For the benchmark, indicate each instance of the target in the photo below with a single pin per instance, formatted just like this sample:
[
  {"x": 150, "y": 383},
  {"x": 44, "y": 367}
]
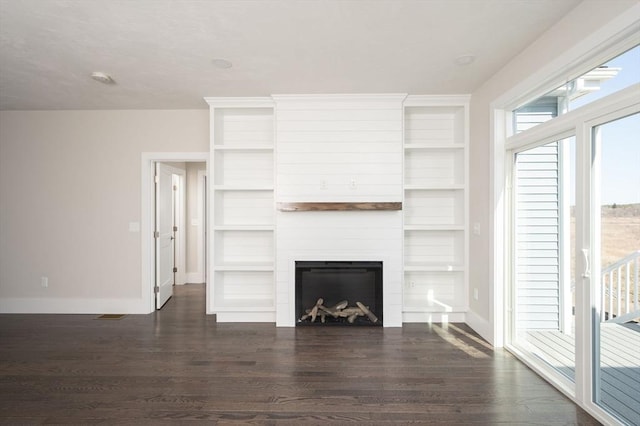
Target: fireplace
[{"x": 358, "y": 283}]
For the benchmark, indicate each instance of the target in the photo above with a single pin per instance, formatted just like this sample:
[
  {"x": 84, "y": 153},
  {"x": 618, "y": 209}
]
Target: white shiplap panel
[
  {"x": 433, "y": 291},
  {"x": 434, "y": 247},
  {"x": 350, "y": 157},
  {"x": 244, "y": 208},
  {"x": 338, "y": 125},
  {"x": 244, "y": 247},
  {"x": 339, "y": 137},
  {"x": 434, "y": 207},
  {"x": 342, "y": 153},
  {"x": 243, "y": 289},
  {"x": 238, "y": 127},
  {"x": 434, "y": 167},
  {"x": 339, "y": 114},
  {"x": 238, "y": 168},
  {"x": 388, "y": 147}
]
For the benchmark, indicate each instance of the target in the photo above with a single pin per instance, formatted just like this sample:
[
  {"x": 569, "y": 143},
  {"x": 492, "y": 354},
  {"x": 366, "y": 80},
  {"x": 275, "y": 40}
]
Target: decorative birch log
[
  {"x": 367, "y": 312},
  {"x": 339, "y": 310}
]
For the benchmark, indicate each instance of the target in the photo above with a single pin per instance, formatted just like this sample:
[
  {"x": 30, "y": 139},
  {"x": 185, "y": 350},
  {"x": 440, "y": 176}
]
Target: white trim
[
  {"x": 59, "y": 305},
  {"x": 194, "y": 278},
  {"x": 497, "y": 271},
  {"x": 618, "y": 35},
  {"x": 148, "y": 159},
  {"x": 564, "y": 125},
  {"x": 181, "y": 220},
  {"x": 246, "y": 317},
  {"x": 240, "y": 102},
  {"x": 433, "y": 317},
  {"x": 480, "y": 326},
  {"x": 363, "y": 97},
  {"x": 201, "y": 224},
  {"x": 437, "y": 100}
]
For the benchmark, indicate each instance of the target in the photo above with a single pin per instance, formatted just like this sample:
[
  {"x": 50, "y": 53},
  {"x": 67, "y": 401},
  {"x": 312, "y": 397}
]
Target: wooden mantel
[{"x": 338, "y": 206}]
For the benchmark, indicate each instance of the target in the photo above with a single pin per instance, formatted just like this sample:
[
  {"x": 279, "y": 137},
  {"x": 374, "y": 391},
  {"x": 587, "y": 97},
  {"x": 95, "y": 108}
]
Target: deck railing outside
[{"x": 620, "y": 297}]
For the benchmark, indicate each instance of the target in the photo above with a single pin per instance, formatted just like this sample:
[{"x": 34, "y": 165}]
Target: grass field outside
[{"x": 620, "y": 236}]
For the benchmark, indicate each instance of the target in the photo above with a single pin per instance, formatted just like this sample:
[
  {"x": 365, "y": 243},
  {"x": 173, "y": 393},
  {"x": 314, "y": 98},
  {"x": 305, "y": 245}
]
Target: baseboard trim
[
  {"x": 73, "y": 306},
  {"x": 195, "y": 278},
  {"x": 480, "y": 326},
  {"x": 429, "y": 317},
  {"x": 246, "y": 317}
]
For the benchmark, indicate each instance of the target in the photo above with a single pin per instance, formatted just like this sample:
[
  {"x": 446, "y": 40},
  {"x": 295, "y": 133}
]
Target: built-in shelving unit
[
  {"x": 243, "y": 216},
  {"x": 435, "y": 205}
]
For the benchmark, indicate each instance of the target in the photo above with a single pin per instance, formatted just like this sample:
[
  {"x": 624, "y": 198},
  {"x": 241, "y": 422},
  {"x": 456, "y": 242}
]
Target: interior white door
[{"x": 164, "y": 234}]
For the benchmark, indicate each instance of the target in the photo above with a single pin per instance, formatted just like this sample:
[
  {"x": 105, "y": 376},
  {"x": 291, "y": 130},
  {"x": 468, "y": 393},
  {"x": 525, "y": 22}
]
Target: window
[
  {"x": 610, "y": 77},
  {"x": 572, "y": 304}
]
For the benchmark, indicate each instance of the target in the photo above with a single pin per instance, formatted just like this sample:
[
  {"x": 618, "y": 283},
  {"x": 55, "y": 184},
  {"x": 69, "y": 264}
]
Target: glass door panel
[
  {"x": 544, "y": 228},
  {"x": 615, "y": 202}
]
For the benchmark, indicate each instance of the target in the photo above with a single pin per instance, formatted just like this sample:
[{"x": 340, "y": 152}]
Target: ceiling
[{"x": 161, "y": 52}]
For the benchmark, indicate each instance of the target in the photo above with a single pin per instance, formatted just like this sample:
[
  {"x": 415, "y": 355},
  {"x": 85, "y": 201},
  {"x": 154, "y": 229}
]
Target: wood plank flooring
[{"x": 178, "y": 366}]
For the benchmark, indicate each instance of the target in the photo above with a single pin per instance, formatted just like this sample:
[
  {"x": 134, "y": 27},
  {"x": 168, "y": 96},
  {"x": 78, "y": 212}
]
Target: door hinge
[
  {"x": 175, "y": 229},
  {"x": 156, "y": 290},
  {"x": 156, "y": 179},
  {"x": 156, "y": 234},
  {"x": 175, "y": 269},
  {"x": 175, "y": 188}
]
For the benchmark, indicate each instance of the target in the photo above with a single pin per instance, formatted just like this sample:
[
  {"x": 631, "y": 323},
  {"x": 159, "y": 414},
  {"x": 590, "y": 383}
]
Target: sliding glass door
[
  {"x": 615, "y": 209},
  {"x": 544, "y": 241},
  {"x": 574, "y": 305}
]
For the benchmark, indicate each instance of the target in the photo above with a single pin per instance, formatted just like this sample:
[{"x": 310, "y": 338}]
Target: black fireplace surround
[{"x": 335, "y": 282}]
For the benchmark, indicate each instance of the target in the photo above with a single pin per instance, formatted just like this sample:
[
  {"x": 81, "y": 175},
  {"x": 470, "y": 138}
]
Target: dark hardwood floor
[{"x": 178, "y": 366}]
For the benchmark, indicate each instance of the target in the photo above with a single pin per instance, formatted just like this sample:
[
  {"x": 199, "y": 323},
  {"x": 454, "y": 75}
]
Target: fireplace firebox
[{"x": 338, "y": 293}]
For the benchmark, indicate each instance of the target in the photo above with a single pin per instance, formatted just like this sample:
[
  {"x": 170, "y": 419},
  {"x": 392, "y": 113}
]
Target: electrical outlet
[
  {"x": 44, "y": 282},
  {"x": 352, "y": 184},
  {"x": 323, "y": 184},
  {"x": 476, "y": 228},
  {"x": 475, "y": 293}
]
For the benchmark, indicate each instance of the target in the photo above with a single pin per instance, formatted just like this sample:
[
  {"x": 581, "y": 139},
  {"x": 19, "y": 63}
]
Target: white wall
[
  {"x": 573, "y": 33},
  {"x": 69, "y": 190}
]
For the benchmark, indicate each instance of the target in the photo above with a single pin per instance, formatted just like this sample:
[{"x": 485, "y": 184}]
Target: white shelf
[
  {"x": 240, "y": 266},
  {"x": 433, "y": 267},
  {"x": 242, "y": 228},
  {"x": 243, "y": 188},
  {"x": 434, "y": 146},
  {"x": 243, "y": 208},
  {"x": 435, "y": 208},
  {"x": 245, "y": 305},
  {"x": 434, "y": 227},
  {"x": 256, "y": 147},
  {"x": 451, "y": 187}
]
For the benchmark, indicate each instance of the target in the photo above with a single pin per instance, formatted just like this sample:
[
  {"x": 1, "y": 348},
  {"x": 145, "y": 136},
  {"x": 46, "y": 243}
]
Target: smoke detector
[
  {"x": 465, "y": 60},
  {"x": 221, "y": 63},
  {"x": 102, "y": 77}
]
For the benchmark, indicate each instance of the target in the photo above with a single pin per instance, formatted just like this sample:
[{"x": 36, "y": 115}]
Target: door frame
[{"x": 147, "y": 217}]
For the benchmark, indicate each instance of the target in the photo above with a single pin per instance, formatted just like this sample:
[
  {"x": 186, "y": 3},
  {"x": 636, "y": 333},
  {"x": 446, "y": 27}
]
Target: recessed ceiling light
[
  {"x": 465, "y": 60},
  {"x": 102, "y": 77},
  {"x": 221, "y": 63}
]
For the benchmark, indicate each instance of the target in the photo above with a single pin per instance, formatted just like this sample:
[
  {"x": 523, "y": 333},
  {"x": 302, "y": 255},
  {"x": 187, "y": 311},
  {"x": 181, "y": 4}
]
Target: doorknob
[{"x": 587, "y": 267}]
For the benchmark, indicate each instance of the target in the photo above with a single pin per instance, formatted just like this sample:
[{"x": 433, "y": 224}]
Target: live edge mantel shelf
[{"x": 308, "y": 207}]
